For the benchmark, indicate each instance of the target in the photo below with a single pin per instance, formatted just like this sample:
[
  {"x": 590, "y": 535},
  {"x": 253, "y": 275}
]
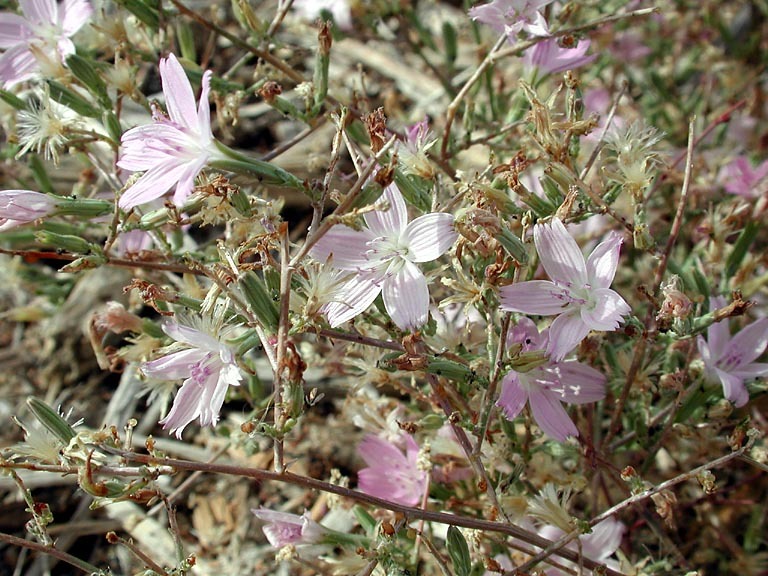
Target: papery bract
[
  {"x": 40, "y": 38},
  {"x": 546, "y": 386},
  {"x": 392, "y": 474},
  {"x": 578, "y": 293},
  {"x": 19, "y": 207},
  {"x": 209, "y": 368},
  {"x": 282, "y": 528},
  {"x": 384, "y": 256},
  {"x": 172, "y": 150},
  {"x": 731, "y": 359}
]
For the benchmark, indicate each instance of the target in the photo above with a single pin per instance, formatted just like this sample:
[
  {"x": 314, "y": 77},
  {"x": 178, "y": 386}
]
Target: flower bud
[{"x": 23, "y": 206}]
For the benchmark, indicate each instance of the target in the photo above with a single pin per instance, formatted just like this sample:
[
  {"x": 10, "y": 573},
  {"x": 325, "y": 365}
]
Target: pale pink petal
[
  {"x": 513, "y": 396},
  {"x": 751, "y": 370},
  {"x": 190, "y": 336},
  {"x": 604, "y": 540},
  {"x": 204, "y": 107},
  {"x": 550, "y": 415},
  {"x": 65, "y": 47},
  {"x": 179, "y": 98},
  {"x": 428, "y": 237},
  {"x": 186, "y": 407},
  {"x": 559, "y": 254},
  {"x": 527, "y": 334},
  {"x": 391, "y": 221},
  {"x": 377, "y": 452},
  {"x": 152, "y": 185},
  {"x": 602, "y": 263},
  {"x": 747, "y": 345},
  {"x": 173, "y": 366},
  {"x": 212, "y": 398},
  {"x": 718, "y": 334},
  {"x": 346, "y": 248},
  {"x": 73, "y": 14},
  {"x": 565, "y": 333},
  {"x": 355, "y": 297},
  {"x": 578, "y": 383},
  {"x": 534, "y": 297},
  {"x": 608, "y": 311},
  {"x": 17, "y": 64},
  {"x": 704, "y": 351},
  {"x": 13, "y": 30},
  {"x": 186, "y": 184},
  {"x": 151, "y": 145},
  {"x": 40, "y": 11},
  {"x": 733, "y": 388},
  {"x": 406, "y": 297}
]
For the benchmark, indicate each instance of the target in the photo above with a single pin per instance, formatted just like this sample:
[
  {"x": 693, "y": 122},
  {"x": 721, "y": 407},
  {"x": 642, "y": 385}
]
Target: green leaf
[
  {"x": 71, "y": 100},
  {"x": 51, "y": 419},
  {"x": 147, "y": 12},
  {"x": 743, "y": 243},
  {"x": 13, "y": 100},
  {"x": 85, "y": 72},
  {"x": 459, "y": 552}
]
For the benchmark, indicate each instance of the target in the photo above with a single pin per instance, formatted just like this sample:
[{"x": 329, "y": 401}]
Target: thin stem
[
  {"x": 281, "y": 392},
  {"x": 632, "y": 500},
  {"x": 678, "y": 221},
  {"x": 362, "y": 340},
  {"x": 412, "y": 513},
  {"x": 50, "y": 551},
  {"x": 490, "y": 393}
]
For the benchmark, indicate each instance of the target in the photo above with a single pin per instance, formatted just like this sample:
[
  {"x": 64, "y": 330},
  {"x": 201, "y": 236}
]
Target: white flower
[{"x": 385, "y": 255}]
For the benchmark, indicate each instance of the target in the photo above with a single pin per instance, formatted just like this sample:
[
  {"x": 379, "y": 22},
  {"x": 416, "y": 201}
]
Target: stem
[
  {"x": 412, "y": 513},
  {"x": 51, "y": 551}
]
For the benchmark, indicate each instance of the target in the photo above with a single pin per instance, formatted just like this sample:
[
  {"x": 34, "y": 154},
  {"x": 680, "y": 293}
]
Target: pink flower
[
  {"x": 544, "y": 387},
  {"x": 598, "y": 545},
  {"x": 19, "y": 207},
  {"x": 283, "y": 528},
  {"x": 731, "y": 359},
  {"x": 548, "y": 57},
  {"x": 390, "y": 474},
  {"x": 209, "y": 368},
  {"x": 171, "y": 151},
  {"x": 384, "y": 255},
  {"x": 39, "y": 38},
  {"x": 739, "y": 177},
  {"x": 513, "y": 16},
  {"x": 578, "y": 293}
]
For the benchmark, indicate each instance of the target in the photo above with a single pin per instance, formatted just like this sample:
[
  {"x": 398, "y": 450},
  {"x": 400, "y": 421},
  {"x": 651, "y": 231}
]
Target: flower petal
[
  {"x": 550, "y": 415},
  {"x": 751, "y": 370},
  {"x": 559, "y": 254},
  {"x": 173, "y": 366},
  {"x": 190, "y": 336},
  {"x": 603, "y": 261},
  {"x": 179, "y": 98},
  {"x": 354, "y": 298},
  {"x": 577, "y": 382},
  {"x": 186, "y": 407},
  {"x": 749, "y": 343},
  {"x": 40, "y": 11},
  {"x": 153, "y": 184},
  {"x": 406, "y": 297},
  {"x": 346, "y": 247},
  {"x": 534, "y": 297},
  {"x": 186, "y": 184},
  {"x": 428, "y": 237},
  {"x": 16, "y": 65},
  {"x": 391, "y": 221},
  {"x": 718, "y": 334},
  {"x": 14, "y": 30},
  {"x": 73, "y": 14},
  {"x": 608, "y": 311},
  {"x": 204, "y": 109},
  {"x": 564, "y": 334},
  {"x": 513, "y": 396},
  {"x": 604, "y": 539},
  {"x": 734, "y": 389}
]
